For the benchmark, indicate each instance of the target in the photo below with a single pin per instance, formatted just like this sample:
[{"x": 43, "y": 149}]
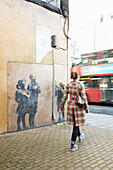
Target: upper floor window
[{"x": 53, "y": 2}]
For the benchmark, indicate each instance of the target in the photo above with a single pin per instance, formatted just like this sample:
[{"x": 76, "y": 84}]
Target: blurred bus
[{"x": 96, "y": 72}]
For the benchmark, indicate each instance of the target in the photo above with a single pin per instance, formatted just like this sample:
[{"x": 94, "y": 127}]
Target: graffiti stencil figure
[
  {"x": 59, "y": 93},
  {"x": 34, "y": 90},
  {"x": 22, "y": 98}
]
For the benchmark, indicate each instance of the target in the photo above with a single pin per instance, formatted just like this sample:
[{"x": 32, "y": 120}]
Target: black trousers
[{"x": 76, "y": 130}]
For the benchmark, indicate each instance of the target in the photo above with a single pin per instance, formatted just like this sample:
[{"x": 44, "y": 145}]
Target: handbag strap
[{"x": 78, "y": 93}]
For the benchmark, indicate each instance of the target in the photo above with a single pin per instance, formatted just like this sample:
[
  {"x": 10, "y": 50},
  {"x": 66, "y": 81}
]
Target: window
[{"x": 53, "y": 2}]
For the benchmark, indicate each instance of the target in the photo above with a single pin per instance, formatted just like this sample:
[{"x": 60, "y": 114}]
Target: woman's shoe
[
  {"x": 73, "y": 147},
  {"x": 81, "y": 137}
]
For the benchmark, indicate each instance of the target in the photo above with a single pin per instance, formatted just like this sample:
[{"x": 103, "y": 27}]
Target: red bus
[{"x": 96, "y": 72}]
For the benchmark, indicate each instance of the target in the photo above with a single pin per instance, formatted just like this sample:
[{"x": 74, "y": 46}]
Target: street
[{"x": 101, "y": 109}]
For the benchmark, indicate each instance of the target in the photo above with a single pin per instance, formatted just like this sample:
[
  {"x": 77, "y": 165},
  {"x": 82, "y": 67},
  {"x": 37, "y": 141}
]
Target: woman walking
[{"x": 75, "y": 114}]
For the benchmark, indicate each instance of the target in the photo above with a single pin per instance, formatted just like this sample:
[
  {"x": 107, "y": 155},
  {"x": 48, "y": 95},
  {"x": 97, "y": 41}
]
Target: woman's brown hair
[{"x": 74, "y": 75}]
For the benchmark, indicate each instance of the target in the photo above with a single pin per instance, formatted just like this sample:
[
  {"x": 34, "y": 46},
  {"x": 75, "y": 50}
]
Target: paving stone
[{"x": 48, "y": 147}]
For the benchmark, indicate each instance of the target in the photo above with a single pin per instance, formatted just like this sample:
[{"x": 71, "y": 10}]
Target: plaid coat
[{"x": 72, "y": 89}]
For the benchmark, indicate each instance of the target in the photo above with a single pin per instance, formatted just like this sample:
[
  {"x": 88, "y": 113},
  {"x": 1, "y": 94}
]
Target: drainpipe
[{"x": 53, "y": 44}]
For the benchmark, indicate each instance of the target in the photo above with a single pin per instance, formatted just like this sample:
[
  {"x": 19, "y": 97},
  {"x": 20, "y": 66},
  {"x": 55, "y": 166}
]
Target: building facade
[{"x": 26, "y": 62}]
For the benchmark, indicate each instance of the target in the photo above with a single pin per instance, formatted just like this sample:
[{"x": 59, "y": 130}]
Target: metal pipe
[{"x": 53, "y": 94}]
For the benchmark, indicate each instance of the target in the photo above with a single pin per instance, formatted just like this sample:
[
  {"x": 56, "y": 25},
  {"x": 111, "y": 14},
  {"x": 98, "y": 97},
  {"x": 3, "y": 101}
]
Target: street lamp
[{"x": 94, "y": 33}]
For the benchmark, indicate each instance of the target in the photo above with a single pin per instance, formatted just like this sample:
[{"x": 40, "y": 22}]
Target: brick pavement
[
  {"x": 100, "y": 120},
  {"x": 47, "y": 148}
]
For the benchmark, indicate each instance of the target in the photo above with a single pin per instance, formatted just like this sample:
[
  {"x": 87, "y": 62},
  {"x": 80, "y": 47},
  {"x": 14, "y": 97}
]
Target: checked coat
[{"x": 72, "y": 89}]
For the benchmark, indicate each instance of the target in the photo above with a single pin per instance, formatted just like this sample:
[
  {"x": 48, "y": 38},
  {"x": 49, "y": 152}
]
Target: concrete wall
[{"x": 18, "y": 41}]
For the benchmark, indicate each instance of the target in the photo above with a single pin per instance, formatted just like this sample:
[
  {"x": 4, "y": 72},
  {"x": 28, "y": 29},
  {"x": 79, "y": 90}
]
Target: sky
[
  {"x": 83, "y": 14},
  {"x": 82, "y": 11}
]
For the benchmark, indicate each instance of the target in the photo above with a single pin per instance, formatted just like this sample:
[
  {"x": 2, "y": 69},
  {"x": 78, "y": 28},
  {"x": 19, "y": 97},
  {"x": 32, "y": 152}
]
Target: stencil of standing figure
[
  {"x": 34, "y": 90},
  {"x": 22, "y": 98},
  {"x": 59, "y": 90}
]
